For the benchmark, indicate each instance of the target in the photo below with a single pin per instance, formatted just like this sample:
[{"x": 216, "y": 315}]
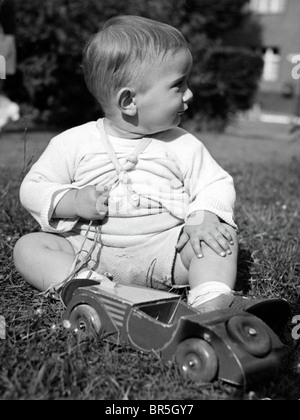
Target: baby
[{"x": 132, "y": 194}]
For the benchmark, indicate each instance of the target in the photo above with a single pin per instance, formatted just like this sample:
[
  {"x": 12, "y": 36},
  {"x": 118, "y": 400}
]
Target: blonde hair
[{"x": 123, "y": 50}]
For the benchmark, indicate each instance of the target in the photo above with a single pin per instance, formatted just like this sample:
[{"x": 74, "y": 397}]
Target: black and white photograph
[{"x": 149, "y": 202}]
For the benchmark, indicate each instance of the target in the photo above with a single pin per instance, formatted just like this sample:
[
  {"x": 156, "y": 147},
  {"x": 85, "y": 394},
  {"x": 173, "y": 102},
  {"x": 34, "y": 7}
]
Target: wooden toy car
[{"x": 231, "y": 345}]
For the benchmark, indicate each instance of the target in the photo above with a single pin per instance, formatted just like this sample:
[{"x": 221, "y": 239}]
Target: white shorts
[{"x": 150, "y": 264}]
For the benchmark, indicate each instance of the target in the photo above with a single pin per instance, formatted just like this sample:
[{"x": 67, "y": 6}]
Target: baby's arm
[
  {"x": 49, "y": 193},
  {"x": 206, "y": 226},
  {"x": 212, "y": 201},
  {"x": 209, "y": 187},
  {"x": 88, "y": 203}
]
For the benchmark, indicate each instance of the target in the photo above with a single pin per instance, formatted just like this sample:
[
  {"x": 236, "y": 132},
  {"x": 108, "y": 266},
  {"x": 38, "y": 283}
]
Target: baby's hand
[
  {"x": 91, "y": 203},
  {"x": 206, "y": 227}
]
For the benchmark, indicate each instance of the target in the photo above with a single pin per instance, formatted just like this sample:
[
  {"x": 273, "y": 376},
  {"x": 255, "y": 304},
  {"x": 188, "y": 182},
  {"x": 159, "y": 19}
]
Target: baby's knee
[
  {"x": 28, "y": 247},
  {"x": 21, "y": 244},
  {"x": 23, "y": 248},
  {"x": 188, "y": 253}
]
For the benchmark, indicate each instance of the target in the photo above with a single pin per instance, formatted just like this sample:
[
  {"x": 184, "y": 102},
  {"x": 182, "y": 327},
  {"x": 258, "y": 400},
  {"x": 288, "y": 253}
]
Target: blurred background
[{"x": 244, "y": 52}]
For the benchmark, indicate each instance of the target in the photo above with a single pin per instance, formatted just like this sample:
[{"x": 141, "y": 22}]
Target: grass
[{"x": 41, "y": 360}]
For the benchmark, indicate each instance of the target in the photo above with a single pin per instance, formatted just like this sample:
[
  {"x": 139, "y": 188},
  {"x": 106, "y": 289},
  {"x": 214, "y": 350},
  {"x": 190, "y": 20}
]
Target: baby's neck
[{"x": 115, "y": 130}]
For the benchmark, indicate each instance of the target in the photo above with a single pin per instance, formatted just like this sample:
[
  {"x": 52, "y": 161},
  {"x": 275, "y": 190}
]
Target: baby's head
[{"x": 138, "y": 70}]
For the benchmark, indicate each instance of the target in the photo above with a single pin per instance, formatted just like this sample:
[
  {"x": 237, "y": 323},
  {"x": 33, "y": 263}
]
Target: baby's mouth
[{"x": 183, "y": 111}]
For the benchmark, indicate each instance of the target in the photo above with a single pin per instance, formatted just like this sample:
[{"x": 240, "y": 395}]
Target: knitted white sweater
[{"x": 174, "y": 177}]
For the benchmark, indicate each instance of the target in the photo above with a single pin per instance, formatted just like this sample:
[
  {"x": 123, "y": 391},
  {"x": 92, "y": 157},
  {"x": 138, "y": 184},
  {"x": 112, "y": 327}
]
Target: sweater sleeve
[
  {"x": 209, "y": 186},
  {"x": 49, "y": 179}
]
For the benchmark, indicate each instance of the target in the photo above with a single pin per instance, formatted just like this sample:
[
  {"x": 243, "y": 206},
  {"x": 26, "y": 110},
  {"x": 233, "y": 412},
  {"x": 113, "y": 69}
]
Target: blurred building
[{"x": 280, "y": 19}]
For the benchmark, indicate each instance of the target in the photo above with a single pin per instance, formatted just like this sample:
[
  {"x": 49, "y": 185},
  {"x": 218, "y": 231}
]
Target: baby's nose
[{"x": 188, "y": 96}]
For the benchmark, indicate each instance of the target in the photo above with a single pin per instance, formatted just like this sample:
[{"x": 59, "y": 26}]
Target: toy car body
[{"x": 231, "y": 345}]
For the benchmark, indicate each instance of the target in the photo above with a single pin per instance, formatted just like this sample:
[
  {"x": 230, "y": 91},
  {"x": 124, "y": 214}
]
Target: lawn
[{"x": 41, "y": 360}]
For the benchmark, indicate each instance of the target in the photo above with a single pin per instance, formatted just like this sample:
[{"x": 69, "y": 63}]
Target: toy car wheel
[
  {"x": 85, "y": 320},
  {"x": 197, "y": 360},
  {"x": 250, "y": 334}
]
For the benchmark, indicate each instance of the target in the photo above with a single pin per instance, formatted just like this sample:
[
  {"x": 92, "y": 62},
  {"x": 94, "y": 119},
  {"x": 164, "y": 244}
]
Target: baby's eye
[{"x": 179, "y": 85}]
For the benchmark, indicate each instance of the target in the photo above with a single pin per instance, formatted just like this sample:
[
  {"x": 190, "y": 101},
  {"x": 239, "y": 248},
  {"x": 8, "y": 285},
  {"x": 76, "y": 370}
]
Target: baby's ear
[{"x": 126, "y": 102}]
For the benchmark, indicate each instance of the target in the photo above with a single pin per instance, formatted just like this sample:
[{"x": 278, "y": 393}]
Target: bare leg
[
  {"x": 212, "y": 268},
  {"x": 43, "y": 259}
]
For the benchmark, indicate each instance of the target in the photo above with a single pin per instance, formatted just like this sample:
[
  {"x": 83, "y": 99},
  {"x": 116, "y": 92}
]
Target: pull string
[
  {"x": 132, "y": 159},
  {"x": 109, "y": 149},
  {"x": 54, "y": 289}
]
